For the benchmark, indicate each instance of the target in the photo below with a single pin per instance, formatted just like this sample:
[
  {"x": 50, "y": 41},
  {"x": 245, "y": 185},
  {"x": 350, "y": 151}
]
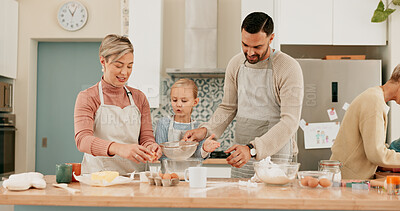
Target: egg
[
  {"x": 160, "y": 174},
  {"x": 166, "y": 176},
  {"x": 312, "y": 183},
  {"x": 324, "y": 182},
  {"x": 174, "y": 175},
  {"x": 304, "y": 181}
]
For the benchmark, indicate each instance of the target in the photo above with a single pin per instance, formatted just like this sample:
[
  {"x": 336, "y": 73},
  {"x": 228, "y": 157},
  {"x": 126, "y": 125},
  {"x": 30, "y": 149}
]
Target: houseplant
[{"x": 381, "y": 14}]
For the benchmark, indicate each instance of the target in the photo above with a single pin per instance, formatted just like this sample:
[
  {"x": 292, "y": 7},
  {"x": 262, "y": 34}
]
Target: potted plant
[{"x": 381, "y": 14}]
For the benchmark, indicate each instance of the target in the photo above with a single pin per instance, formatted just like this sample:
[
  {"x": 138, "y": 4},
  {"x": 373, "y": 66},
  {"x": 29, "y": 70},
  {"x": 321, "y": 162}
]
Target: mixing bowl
[
  {"x": 179, "y": 166},
  {"x": 276, "y": 174},
  {"x": 179, "y": 150}
]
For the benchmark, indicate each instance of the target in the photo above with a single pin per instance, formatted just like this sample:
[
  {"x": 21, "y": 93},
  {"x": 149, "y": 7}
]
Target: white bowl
[
  {"x": 179, "y": 150},
  {"x": 276, "y": 174}
]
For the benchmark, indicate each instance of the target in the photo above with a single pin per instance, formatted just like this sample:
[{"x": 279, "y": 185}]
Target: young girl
[{"x": 173, "y": 128}]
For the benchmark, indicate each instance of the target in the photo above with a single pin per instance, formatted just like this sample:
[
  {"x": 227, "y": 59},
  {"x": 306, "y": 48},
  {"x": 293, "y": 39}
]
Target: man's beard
[{"x": 258, "y": 57}]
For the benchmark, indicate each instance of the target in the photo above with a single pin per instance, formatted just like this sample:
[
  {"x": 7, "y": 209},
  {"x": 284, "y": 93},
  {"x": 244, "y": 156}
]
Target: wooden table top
[{"x": 220, "y": 193}]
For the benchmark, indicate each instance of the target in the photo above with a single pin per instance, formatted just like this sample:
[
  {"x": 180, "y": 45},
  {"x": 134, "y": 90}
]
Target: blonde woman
[
  {"x": 112, "y": 121},
  {"x": 172, "y": 128}
]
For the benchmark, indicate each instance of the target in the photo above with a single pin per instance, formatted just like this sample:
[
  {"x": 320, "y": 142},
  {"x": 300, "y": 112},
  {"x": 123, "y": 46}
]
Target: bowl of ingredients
[
  {"x": 314, "y": 179},
  {"x": 179, "y": 166},
  {"x": 276, "y": 173},
  {"x": 179, "y": 150}
]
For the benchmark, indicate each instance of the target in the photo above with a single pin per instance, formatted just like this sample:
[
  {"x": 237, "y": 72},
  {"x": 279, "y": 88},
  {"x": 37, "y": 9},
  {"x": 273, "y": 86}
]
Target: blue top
[{"x": 161, "y": 134}]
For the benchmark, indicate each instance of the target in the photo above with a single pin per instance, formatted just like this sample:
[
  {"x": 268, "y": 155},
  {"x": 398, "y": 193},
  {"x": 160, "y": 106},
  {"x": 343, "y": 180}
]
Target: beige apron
[
  {"x": 120, "y": 125},
  {"x": 258, "y": 111},
  {"x": 175, "y": 134}
]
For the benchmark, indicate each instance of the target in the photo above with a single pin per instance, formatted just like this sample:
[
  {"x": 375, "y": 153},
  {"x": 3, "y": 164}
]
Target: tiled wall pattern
[{"x": 210, "y": 95}]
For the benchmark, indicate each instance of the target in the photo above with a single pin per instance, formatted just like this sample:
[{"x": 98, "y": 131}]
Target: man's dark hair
[{"x": 257, "y": 21}]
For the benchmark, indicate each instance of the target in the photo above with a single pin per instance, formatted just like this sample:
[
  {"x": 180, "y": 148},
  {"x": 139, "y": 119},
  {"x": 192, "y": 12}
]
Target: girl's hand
[{"x": 210, "y": 145}]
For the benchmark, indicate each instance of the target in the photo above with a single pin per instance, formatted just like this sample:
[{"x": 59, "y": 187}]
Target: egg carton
[{"x": 157, "y": 181}]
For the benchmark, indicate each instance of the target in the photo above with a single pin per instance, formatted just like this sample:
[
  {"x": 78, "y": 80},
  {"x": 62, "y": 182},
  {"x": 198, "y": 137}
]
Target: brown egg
[
  {"x": 304, "y": 181},
  {"x": 166, "y": 176},
  {"x": 312, "y": 183},
  {"x": 174, "y": 175},
  {"x": 324, "y": 182},
  {"x": 160, "y": 174}
]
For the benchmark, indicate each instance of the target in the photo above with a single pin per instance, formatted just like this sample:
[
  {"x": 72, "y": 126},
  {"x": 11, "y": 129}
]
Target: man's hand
[
  {"x": 156, "y": 151},
  {"x": 195, "y": 135},
  {"x": 210, "y": 145},
  {"x": 133, "y": 152},
  {"x": 239, "y": 157}
]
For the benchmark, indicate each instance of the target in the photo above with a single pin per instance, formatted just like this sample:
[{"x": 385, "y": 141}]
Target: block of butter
[{"x": 105, "y": 175}]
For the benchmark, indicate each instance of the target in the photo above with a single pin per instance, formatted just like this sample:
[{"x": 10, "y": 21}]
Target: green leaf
[
  {"x": 381, "y": 7},
  {"x": 380, "y": 14},
  {"x": 389, "y": 11},
  {"x": 396, "y": 2}
]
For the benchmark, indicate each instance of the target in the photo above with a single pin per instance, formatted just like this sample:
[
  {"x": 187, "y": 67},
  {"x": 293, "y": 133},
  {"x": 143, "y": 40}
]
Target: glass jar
[
  {"x": 334, "y": 167},
  {"x": 393, "y": 185}
]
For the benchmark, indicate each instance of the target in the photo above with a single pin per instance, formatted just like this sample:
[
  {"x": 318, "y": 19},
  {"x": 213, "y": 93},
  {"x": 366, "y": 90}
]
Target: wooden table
[{"x": 220, "y": 193}]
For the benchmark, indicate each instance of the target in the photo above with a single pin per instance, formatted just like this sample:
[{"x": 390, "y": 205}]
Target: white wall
[{"x": 38, "y": 22}]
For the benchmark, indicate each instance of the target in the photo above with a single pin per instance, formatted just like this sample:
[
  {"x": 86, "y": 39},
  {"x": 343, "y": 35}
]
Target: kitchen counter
[{"x": 220, "y": 193}]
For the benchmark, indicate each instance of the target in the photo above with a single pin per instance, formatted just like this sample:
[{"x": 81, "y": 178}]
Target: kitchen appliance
[
  {"x": 5, "y": 97},
  {"x": 201, "y": 36},
  {"x": 330, "y": 84},
  {"x": 7, "y": 144}
]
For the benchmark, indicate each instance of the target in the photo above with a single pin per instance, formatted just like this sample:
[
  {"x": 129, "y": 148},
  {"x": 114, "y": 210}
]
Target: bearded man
[{"x": 264, "y": 90}]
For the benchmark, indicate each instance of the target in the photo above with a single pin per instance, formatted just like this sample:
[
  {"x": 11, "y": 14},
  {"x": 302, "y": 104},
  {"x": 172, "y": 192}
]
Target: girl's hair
[
  {"x": 184, "y": 82},
  {"x": 114, "y": 44}
]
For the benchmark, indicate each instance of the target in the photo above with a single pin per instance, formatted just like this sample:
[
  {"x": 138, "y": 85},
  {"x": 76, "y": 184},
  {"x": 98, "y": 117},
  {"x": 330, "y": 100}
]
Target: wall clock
[{"x": 72, "y": 15}]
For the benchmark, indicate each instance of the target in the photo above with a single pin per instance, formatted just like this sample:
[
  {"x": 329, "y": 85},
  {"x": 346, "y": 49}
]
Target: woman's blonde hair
[
  {"x": 116, "y": 45},
  {"x": 396, "y": 74},
  {"x": 184, "y": 82}
]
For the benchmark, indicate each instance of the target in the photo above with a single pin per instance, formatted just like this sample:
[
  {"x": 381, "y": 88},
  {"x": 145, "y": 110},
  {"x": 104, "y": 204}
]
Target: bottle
[{"x": 334, "y": 167}]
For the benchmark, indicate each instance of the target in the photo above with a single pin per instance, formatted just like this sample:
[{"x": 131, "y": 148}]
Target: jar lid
[
  {"x": 393, "y": 180},
  {"x": 330, "y": 163}
]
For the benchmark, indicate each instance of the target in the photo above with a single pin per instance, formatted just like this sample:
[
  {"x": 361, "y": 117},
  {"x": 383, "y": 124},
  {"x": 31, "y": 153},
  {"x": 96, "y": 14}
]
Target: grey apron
[{"x": 258, "y": 111}]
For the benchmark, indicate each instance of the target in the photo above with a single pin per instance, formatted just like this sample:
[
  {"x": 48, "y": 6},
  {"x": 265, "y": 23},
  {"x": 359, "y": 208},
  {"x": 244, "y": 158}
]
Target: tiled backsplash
[{"x": 210, "y": 94}]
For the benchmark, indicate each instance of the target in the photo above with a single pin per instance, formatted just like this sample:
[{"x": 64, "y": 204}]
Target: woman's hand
[
  {"x": 210, "y": 145},
  {"x": 133, "y": 152},
  {"x": 156, "y": 152}
]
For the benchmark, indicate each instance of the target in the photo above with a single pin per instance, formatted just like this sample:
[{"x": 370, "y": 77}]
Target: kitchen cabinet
[
  {"x": 306, "y": 22},
  {"x": 330, "y": 22},
  {"x": 145, "y": 33},
  {"x": 267, "y": 6},
  {"x": 8, "y": 38},
  {"x": 352, "y": 23}
]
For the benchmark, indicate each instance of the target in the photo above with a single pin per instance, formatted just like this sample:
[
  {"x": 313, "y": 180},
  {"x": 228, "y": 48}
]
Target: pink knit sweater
[{"x": 86, "y": 105}]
